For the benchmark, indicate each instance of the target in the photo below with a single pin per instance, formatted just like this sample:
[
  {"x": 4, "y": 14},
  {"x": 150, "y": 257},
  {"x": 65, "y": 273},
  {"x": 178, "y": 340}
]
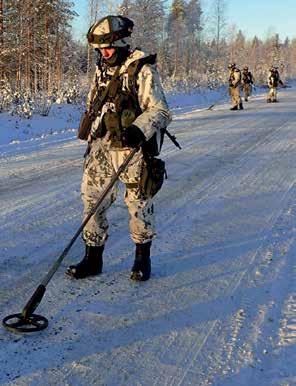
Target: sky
[{"x": 253, "y": 17}]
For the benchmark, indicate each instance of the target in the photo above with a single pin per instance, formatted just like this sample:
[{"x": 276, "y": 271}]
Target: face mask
[{"x": 118, "y": 57}]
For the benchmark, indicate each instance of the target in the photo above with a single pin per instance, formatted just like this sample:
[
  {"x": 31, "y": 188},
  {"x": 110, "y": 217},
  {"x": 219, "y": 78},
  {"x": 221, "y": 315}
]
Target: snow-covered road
[{"x": 220, "y": 308}]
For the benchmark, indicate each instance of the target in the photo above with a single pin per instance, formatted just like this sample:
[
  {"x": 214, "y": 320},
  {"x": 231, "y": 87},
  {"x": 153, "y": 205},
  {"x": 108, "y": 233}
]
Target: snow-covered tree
[
  {"x": 177, "y": 30},
  {"x": 148, "y": 17},
  {"x": 34, "y": 36},
  {"x": 218, "y": 23}
]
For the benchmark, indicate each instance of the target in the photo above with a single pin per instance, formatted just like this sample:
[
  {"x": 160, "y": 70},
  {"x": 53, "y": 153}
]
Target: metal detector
[{"x": 27, "y": 321}]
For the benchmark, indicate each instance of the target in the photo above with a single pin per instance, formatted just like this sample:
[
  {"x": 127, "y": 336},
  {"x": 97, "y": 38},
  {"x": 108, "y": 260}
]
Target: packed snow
[{"x": 220, "y": 307}]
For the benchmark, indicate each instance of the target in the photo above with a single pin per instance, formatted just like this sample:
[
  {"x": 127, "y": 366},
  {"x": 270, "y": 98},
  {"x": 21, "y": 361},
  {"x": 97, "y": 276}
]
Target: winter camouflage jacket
[
  {"x": 234, "y": 77},
  {"x": 247, "y": 77},
  {"x": 273, "y": 79},
  {"x": 155, "y": 112}
]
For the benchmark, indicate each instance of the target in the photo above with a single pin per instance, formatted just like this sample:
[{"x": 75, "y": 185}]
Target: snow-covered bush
[
  {"x": 6, "y": 95},
  {"x": 42, "y": 104},
  {"x": 22, "y": 105},
  {"x": 215, "y": 74}
]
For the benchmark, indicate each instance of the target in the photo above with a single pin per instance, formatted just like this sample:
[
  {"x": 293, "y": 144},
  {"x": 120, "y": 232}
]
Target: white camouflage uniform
[
  {"x": 273, "y": 80},
  {"x": 103, "y": 159},
  {"x": 234, "y": 86},
  {"x": 247, "y": 81}
]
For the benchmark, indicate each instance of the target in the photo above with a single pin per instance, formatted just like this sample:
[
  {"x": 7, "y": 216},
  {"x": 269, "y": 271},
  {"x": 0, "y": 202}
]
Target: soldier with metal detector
[
  {"x": 234, "y": 87},
  {"x": 124, "y": 125},
  {"x": 126, "y": 108}
]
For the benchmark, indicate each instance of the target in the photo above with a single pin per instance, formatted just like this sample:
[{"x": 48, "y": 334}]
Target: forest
[{"x": 42, "y": 61}]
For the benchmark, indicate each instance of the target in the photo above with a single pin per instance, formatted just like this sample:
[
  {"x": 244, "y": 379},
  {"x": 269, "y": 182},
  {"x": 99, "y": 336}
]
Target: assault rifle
[{"x": 172, "y": 138}]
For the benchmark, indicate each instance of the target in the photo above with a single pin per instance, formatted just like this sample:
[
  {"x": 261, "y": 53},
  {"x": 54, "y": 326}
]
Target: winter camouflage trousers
[
  {"x": 247, "y": 90},
  {"x": 272, "y": 95},
  {"x": 100, "y": 165},
  {"x": 235, "y": 96}
]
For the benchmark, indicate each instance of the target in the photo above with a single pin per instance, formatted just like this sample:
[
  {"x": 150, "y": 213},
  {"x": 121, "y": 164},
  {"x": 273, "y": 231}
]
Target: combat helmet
[
  {"x": 110, "y": 31},
  {"x": 231, "y": 66}
]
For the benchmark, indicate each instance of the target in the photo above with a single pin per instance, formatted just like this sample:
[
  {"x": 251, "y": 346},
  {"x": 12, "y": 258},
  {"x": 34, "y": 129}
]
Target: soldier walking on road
[
  {"x": 247, "y": 82},
  {"x": 234, "y": 87},
  {"x": 135, "y": 112},
  {"x": 273, "y": 81}
]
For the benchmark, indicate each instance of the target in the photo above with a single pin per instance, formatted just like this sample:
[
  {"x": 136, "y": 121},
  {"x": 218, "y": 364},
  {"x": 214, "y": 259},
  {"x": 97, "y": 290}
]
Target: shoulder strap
[{"x": 135, "y": 67}]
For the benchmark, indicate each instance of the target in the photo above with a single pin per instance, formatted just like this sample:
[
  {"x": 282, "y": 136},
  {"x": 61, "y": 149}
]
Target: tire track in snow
[
  {"x": 273, "y": 138},
  {"x": 255, "y": 346},
  {"x": 287, "y": 332}
]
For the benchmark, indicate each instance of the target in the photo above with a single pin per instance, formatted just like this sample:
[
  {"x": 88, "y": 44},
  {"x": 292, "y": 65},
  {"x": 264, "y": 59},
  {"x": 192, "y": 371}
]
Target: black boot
[
  {"x": 142, "y": 265},
  {"x": 90, "y": 265},
  {"x": 234, "y": 108},
  {"x": 241, "y": 106}
]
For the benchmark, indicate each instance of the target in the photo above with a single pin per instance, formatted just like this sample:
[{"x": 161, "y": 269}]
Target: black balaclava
[{"x": 119, "y": 56}]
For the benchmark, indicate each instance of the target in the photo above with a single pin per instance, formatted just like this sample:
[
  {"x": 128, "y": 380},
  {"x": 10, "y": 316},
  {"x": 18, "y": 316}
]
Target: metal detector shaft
[{"x": 37, "y": 296}]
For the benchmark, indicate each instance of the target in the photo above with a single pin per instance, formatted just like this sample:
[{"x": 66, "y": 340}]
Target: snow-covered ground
[{"x": 220, "y": 308}]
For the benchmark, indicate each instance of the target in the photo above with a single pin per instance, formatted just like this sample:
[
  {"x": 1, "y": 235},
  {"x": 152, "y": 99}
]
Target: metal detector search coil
[{"x": 17, "y": 323}]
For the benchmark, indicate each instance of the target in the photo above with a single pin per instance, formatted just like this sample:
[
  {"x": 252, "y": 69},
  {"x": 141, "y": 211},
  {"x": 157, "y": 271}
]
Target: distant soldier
[
  {"x": 247, "y": 81},
  {"x": 273, "y": 81},
  {"x": 234, "y": 87}
]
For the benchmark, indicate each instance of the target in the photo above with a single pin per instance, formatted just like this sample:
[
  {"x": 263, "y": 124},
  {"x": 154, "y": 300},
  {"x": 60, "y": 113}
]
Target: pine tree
[
  {"x": 193, "y": 41},
  {"x": 177, "y": 30},
  {"x": 35, "y": 34}
]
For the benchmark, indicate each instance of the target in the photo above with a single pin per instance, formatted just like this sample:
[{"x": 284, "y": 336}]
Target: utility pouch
[
  {"x": 112, "y": 123},
  {"x": 153, "y": 177},
  {"x": 85, "y": 126}
]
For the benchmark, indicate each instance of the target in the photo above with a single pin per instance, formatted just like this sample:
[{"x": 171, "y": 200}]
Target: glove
[{"x": 132, "y": 136}]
